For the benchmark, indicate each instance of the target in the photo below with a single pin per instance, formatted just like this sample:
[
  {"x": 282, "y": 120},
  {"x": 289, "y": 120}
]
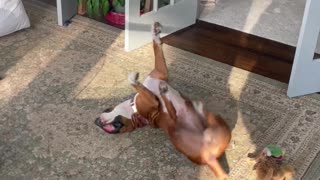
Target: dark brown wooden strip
[
  {"x": 244, "y": 40},
  {"x": 51, "y": 2},
  {"x": 245, "y": 51}
]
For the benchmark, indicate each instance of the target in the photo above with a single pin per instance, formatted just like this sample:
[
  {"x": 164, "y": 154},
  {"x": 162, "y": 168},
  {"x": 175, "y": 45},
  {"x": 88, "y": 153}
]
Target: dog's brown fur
[{"x": 267, "y": 168}]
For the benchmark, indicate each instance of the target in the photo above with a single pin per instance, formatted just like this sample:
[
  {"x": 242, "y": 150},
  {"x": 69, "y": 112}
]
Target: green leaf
[
  {"x": 96, "y": 7},
  {"x": 89, "y": 8},
  {"x": 114, "y": 3},
  {"x": 122, "y": 2},
  {"x": 79, "y": 1},
  {"x": 105, "y": 7}
]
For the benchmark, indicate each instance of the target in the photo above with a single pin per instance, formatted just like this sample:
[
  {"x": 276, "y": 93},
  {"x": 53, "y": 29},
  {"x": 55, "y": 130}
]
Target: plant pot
[
  {"x": 115, "y": 18},
  {"x": 81, "y": 7}
]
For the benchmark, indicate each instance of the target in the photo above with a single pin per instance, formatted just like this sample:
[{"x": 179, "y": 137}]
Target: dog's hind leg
[
  {"x": 160, "y": 70},
  {"x": 163, "y": 88},
  {"x": 217, "y": 169}
]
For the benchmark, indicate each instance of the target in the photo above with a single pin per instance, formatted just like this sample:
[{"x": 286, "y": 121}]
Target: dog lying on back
[{"x": 197, "y": 134}]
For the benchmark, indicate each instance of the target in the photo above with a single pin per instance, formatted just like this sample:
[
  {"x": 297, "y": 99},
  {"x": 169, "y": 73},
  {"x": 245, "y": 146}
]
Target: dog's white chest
[{"x": 173, "y": 95}]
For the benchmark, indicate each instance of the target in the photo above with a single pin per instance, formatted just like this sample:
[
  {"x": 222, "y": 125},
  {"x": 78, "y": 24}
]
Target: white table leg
[{"x": 305, "y": 74}]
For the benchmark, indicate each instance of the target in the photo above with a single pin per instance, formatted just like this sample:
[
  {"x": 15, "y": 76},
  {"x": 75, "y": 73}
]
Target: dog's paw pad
[
  {"x": 133, "y": 78},
  {"x": 163, "y": 87},
  {"x": 156, "y": 28}
]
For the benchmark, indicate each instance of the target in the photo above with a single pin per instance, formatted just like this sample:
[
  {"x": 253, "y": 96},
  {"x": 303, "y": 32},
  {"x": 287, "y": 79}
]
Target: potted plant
[{"x": 97, "y": 8}]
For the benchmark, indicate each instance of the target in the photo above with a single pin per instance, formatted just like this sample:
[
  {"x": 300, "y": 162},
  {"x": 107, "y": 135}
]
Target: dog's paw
[
  {"x": 163, "y": 88},
  {"x": 133, "y": 78},
  {"x": 156, "y": 30},
  {"x": 198, "y": 106}
]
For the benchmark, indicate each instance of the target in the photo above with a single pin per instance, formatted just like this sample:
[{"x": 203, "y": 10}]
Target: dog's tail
[{"x": 288, "y": 172}]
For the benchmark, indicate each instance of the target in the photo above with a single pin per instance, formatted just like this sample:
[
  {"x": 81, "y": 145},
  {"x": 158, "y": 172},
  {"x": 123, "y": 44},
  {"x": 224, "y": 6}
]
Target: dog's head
[{"x": 115, "y": 125}]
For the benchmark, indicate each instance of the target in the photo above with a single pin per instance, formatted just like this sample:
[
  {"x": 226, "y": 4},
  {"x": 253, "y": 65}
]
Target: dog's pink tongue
[{"x": 108, "y": 128}]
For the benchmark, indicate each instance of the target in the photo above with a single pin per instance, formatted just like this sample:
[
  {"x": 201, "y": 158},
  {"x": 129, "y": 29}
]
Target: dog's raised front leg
[{"x": 160, "y": 70}]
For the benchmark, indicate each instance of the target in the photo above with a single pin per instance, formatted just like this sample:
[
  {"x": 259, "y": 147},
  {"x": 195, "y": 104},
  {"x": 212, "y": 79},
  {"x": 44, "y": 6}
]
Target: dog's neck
[{"x": 133, "y": 103}]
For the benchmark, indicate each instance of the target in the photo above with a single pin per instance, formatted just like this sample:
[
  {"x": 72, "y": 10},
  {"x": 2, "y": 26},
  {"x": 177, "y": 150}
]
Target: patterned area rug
[{"x": 57, "y": 81}]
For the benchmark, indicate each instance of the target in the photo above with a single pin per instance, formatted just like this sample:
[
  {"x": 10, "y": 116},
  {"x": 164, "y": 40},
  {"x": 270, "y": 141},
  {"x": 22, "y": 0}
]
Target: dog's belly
[
  {"x": 186, "y": 117},
  {"x": 173, "y": 95}
]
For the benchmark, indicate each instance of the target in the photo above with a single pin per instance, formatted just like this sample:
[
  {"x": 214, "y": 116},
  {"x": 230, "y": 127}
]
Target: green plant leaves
[
  {"x": 122, "y": 2},
  {"x": 89, "y": 8},
  {"x": 96, "y": 7},
  {"x": 117, "y": 3},
  {"x": 105, "y": 7},
  {"x": 114, "y": 3}
]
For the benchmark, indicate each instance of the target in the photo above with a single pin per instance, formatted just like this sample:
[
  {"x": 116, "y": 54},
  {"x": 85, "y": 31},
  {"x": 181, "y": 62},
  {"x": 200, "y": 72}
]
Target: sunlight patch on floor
[
  {"x": 237, "y": 84},
  {"x": 33, "y": 63},
  {"x": 107, "y": 75},
  {"x": 24, "y": 72},
  {"x": 257, "y": 9},
  {"x": 103, "y": 77}
]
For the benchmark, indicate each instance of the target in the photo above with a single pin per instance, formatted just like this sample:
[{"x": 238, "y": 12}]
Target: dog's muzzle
[{"x": 111, "y": 128}]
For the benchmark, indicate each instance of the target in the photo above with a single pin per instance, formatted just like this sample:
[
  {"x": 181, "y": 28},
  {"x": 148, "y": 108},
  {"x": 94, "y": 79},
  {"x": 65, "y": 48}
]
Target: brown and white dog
[{"x": 197, "y": 134}]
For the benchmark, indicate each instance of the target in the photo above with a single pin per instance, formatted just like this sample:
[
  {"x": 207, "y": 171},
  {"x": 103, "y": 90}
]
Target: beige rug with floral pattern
[{"x": 57, "y": 80}]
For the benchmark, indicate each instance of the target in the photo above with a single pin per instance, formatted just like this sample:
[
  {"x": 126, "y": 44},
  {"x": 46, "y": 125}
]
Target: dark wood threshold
[
  {"x": 252, "y": 53},
  {"x": 51, "y": 2}
]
